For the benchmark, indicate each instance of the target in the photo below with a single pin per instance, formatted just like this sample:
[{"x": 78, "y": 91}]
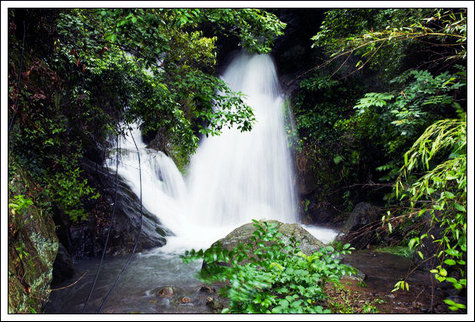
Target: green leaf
[
  {"x": 449, "y": 194},
  {"x": 460, "y": 207},
  {"x": 450, "y": 262},
  {"x": 452, "y": 252},
  {"x": 337, "y": 159}
]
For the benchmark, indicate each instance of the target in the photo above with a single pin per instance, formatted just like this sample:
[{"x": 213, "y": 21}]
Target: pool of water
[{"x": 137, "y": 289}]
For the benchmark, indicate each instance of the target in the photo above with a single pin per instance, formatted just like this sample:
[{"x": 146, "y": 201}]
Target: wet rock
[
  {"x": 322, "y": 213},
  {"x": 157, "y": 141},
  {"x": 32, "y": 249},
  {"x": 164, "y": 302},
  {"x": 363, "y": 214},
  {"x": 359, "y": 227},
  {"x": 63, "y": 268},
  {"x": 207, "y": 289},
  {"x": 185, "y": 300},
  {"x": 166, "y": 291},
  {"x": 359, "y": 276},
  {"x": 87, "y": 238},
  {"x": 243, "y": 234},
  {"x": 215, "y": 304},
  {"x": 292, "y": 51}
]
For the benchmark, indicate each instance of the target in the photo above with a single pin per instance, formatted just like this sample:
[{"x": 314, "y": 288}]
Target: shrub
[{"x": 269, "y": 275}]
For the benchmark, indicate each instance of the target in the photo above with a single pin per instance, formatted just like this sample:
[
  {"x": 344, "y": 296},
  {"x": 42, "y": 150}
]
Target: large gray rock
[
  {"x": 362, "y": 215},
  {"x": 243, "y": 234},
  {"x": 359, "y": 227}
]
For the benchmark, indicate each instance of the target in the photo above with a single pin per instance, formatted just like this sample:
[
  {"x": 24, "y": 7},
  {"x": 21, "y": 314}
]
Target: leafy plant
[
  {"x": 439, "y": 193},
  {"x": 369, "y": 308},
  {"x": 269, "y": 275},
  {"x": 376, "y": 34},
  {"x": 69, "y": 190},
  {"x": 412, "y": 66},
  {"x": 19, "y": 202}
]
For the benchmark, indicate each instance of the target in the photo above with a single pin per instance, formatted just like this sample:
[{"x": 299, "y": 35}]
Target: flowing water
[{"x": 233, "y": 178}]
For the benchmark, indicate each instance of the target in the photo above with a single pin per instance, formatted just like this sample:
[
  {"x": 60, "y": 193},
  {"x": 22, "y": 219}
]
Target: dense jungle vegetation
[
  {"x": 387, "y": 107},
  {"x": 380, "y": 115}
]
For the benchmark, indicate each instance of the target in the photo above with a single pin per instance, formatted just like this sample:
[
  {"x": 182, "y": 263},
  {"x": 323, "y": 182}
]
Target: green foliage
[
  {"x": 19, "y": 202},
  {"x": 388, "y": 75},
  {"x": 271, "y": 276},
  {"x": 453, "y": 305},
  {"x": 68, "y": 191},
  {"x": 397, "y": 118},
  {"x": 381, "y": 36},
  {"x": 256, "y": 28},
  {"x": 441, "y": 193},
  {"x": 411, "y": 64},
  {"x": 369, "y": 308},
  {"x": 166, "y": 60},
  {"x": 87, "y": 70},
  {"x": 326, "y": 152},
  {"x": 344, "y": 298}
]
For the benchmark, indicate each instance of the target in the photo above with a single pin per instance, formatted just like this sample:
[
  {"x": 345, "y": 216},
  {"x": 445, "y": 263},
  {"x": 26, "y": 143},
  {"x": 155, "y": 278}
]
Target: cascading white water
[
  {"x": 163, "y": 187},
  {"x": 233, "y": 178},
  {"x": 238, "y": 176}
]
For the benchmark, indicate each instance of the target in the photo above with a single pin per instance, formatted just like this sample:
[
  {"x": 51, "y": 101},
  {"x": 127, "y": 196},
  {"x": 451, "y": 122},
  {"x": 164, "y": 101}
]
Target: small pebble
[{"x": 185, "y": 300}]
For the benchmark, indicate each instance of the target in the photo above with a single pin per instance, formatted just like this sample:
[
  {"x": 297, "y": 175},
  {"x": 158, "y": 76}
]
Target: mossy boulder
[
  {"x": 32, "y": 248},
  {"x": 243, "y": 234}
]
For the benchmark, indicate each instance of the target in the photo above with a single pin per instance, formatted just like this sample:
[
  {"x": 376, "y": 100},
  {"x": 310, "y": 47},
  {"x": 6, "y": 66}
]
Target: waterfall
[
  {"x": 233, "y": 178},
  {"x": 239, "y": 176}
]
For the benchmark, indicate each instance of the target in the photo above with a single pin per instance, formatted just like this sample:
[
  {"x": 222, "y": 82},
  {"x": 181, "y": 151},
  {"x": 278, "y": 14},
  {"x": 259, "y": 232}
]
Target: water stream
[{"x": 232, "y": 179}]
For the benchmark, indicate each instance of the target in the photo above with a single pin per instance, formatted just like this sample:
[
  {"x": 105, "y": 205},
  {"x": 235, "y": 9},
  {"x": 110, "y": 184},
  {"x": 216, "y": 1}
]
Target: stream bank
[{"x": 157, "y": 282}]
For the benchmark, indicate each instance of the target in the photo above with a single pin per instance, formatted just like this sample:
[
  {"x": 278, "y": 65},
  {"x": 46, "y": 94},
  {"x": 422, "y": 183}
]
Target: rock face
[
  {"x": 87, "y": 239},
  {"x": 63, "y": 268},
  {"x": 356, "y": 227},
  {"x": 362, "y": 215},
  {"x": 32, "y": 248},
  {"x": 242, "y": 234},
  {"x": 292, "y": 51}
]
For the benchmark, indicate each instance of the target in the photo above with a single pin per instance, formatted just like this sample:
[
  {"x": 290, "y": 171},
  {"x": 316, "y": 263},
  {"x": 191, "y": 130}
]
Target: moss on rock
[
  {"x": 32, "y": 249},
  {"x": 242, "y": 234}
]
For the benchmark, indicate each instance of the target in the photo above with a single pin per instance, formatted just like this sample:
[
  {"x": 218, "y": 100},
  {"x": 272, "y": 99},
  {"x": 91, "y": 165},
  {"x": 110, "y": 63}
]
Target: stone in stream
[
  {"x": 308, "y": 243},
  {"x": 185, "y": 300},
  {"x": 166, "y": 291},
  {"x": 243, "y": 234},
  {"x": 363, "y": 214},
  {"x": 216, "y": 305},
  {"x": 207, "y": 289}
]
